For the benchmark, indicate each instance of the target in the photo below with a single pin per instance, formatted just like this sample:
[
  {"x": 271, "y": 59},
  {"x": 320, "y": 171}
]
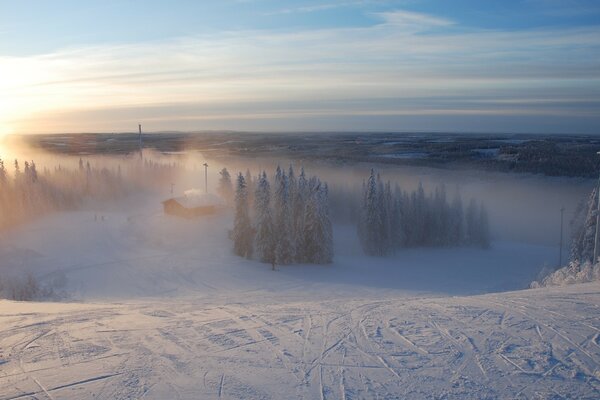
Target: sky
[{"x": 528, "y": 66}]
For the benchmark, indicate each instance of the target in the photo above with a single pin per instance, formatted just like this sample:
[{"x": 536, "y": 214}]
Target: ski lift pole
[
  {"x": 205, "y": 177},
  {"x": 595, "y": 260}
]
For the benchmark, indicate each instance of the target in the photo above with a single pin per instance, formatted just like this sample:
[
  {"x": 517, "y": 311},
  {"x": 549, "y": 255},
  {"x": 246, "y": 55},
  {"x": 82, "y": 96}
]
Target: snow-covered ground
[
  {"x": 124, "y": 255},
  {"x": 160, "y": 308},
  {"x": 541, "y": 343}
]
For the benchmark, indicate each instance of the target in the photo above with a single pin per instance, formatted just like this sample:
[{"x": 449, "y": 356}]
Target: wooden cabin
[{"x": 192, "y": 206}]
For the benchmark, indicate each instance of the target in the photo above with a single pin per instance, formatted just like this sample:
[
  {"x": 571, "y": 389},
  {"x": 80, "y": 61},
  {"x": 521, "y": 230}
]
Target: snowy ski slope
[
  {"x": 161, "y": 309},
  {"x": 541, "y": 343}
]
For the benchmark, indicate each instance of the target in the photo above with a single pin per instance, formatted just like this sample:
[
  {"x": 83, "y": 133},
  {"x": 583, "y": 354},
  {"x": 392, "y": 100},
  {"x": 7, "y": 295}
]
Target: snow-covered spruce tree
[
  {"x": 283, "y": 221},
  {"x": 420, "y": 215},
  {"x": 477, "y": 225},
  {"x": 584, "y": 230},
  {"x": 265, "y": 239},
  {"x": 396, "y": 219},
  {"x": 251, "y": 184},
  {"x": 385, "y": 203},
  {"x": 318, "y": 238},
  {"x": 292, "y": 189},
  {"x": 242, "y": 229},
  {"x": 225, "y": 188},
  {"x": 484, "y": 227},
  {"x": 2, "y": 172},
  {"x": 299, "y": 216},
  {"x": 369, "y": 228},
  {"x": 472, "y": 222},
  {"x": 456, "y": 222},
  {"x": 440, "y": 218}
]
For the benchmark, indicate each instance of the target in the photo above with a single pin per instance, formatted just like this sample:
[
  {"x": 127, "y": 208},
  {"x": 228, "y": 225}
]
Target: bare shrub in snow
[{"x": 26, "y": 287}]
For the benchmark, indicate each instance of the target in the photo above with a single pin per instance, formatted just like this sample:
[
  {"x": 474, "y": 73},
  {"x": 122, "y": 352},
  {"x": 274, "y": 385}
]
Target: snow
[
  {"x": 124, "y": 255},
  {"x": 570, "y": 274},
  {"x": 540, "y": 343},
  {"x": 161, "y": 308}
]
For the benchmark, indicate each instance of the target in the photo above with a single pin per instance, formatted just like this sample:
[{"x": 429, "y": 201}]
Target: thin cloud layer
[{"x": 406, "y": 64}]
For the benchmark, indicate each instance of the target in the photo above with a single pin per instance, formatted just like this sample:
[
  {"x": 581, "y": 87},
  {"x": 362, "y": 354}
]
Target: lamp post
[
  {"x": 597, "y": 221},
  {"x": 205, "y": 177},
  {"x": 140, "y": 139}
]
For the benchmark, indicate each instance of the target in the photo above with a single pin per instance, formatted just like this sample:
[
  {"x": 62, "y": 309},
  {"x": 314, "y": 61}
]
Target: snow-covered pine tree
[
  {"x": 3, "y": 178},
  {"x": 263, "y": 225},
  {"x": 251, "y": 184},
  {"x": 17, "y": 171},
  {"x": 318, "y": 242},
  {"x": 225, "y": 188},
  {"x": 292, "y": 189},
  {"x": 242, "y": 229},
  {"x": 370, "y": 226},
  {"x": 420, "y": 216},
  {"x": 440, "y": 217},
  {"x": 484, "y": 227},
  {"x": 387, "y": 244},
  {"x": 299, "y": 216},
  {"x": 456, "y": 222},
  {"x": 34, "y": 174},
  {"x": 283, "y": 220},
  {"x": 396, "y": 219},
  {"x": 327, "y": 253},
  {"x": 584, "y": 230},
  {"x": 471, "y": 222}
]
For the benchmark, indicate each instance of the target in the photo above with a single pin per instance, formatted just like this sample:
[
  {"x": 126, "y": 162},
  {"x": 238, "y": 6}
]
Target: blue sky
[{"x": 412, "y": 65}]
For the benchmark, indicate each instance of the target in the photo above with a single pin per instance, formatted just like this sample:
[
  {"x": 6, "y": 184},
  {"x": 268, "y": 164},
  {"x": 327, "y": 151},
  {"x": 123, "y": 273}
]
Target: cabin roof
[{"x": 194, "y": 200}]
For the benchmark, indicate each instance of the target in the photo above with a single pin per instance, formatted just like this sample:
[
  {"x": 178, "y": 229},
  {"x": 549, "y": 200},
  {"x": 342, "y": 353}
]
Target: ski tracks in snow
[{"x": 531, "y": 344}]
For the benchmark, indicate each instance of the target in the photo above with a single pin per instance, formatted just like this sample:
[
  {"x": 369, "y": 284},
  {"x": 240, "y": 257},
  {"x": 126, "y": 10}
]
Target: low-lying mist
[{"x": 103, "y": 212}]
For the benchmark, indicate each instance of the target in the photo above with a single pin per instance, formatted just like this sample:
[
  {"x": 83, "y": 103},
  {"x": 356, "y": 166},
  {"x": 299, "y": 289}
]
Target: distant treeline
[{"x": 26, "y": 192}]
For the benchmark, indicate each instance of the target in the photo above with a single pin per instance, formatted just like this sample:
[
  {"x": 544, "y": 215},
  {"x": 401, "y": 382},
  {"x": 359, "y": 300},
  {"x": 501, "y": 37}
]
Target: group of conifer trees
[
  {"x": 26, "y": 192},
  {"x": 287, "y": 222},
  {"x": 391, "y": 219}
]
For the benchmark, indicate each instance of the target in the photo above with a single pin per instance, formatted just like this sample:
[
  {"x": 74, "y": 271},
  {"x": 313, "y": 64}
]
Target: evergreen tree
[
  {"x": 472, "y": 222},
  {"x": 484, "y": 227},
  {"x": 397, "y": 219},
  {"x": 283, "y": 221},
  {"x": 584, "y": 230},
  {"x": 225, "y": 188},
  {"x": 265, "y": 238},
  {"x": 2, "y": 173},
  {"x": 299, "y": 216},
  {"x": 318, "y": 242},
  {"x": 369, "y": 230},
  {"x": 242, "y": 229},
  {"x": 456, "y": 222},
  {"x": 251, "y": 184}
]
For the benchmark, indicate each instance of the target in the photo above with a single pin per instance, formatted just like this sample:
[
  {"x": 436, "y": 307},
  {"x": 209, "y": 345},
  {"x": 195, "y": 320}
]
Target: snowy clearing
[{"x": 530, "y": 344}]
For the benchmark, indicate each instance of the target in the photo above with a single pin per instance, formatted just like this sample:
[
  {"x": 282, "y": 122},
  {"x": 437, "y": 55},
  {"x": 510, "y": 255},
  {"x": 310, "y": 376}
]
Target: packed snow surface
[
  {"x": 160, "y": 308},
  {"x": 541, "y": 343}
]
